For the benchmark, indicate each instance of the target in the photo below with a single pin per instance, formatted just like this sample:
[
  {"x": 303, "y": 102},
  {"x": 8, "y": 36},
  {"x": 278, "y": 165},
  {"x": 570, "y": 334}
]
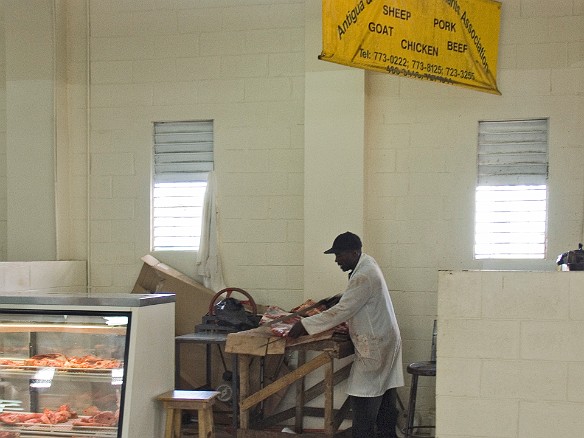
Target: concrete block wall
[
  {"x": 510, "y": 354},
  {"x": 238, "y": 63},
  {"x": 43, "y": 277},
  {"x": 421, "y": 141},
  {"x": 77, "y": 131},
  {"x": 2, "y": 141},
  {"x": 242, "y": 64}
]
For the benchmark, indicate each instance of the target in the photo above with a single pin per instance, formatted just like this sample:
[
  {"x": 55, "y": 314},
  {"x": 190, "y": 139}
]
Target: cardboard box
[
  {"x": 192, "y": 298},
  {"x": 192, "y": 303}
]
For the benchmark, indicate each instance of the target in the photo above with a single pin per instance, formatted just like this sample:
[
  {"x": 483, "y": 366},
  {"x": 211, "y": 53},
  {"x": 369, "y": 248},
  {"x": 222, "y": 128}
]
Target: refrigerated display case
[{"x": 85, "y": 366}]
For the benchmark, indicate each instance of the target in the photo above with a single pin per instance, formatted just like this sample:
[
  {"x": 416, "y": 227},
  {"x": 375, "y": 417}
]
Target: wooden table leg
[
  {"x": 300, "y": 396},
  {"x": 284, "y": 381},
  {"x": 169, "y": 423},
  {"x": 235, "y": 395},
  {"x": 206, "y": 429},
  {"x": 177, "y": 422},
  {"x": 244, "y": 388},
  {"x": 329, "y": 388}
]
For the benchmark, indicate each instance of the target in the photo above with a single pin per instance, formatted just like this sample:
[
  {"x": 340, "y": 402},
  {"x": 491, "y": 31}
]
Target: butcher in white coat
[{"x": 367, "y": 309}]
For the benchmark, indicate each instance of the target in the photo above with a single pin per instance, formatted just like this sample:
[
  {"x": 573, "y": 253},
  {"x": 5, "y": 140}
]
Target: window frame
[
  {"x": 182, "y": 155},
  {"x": 512, "y": 154}
]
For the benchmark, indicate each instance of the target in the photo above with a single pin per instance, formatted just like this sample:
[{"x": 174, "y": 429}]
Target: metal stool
[
  {"x": 175, "y": 401},
  {"x": 417, "y": 369}
]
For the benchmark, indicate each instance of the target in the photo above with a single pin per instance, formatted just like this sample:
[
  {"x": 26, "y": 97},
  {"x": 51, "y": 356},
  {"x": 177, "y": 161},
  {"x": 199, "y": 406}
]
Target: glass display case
[{"x": 68, "y": 368}]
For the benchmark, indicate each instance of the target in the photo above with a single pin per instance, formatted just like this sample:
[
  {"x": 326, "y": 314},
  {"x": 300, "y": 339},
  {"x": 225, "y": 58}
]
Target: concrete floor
[
  {"x": 223, "y": 429},
  {"x": 225, "y": 432},
  {"x": 220, "y": 432}
]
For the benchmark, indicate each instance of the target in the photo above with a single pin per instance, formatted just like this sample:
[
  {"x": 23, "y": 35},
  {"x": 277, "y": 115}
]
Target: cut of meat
[
  {"x": 100, "y": 419},
  {"x": 48, "y": 416},
  {"x": 57, "y": 360}
]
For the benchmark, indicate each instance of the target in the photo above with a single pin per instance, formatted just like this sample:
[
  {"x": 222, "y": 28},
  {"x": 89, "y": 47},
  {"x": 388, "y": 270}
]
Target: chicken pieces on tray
[
  {"x": 92, "y": 417},
  {"x": 57, "y": 360}
]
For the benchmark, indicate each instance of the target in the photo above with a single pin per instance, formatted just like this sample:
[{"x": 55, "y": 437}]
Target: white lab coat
[{"x": 366, "y": 307}]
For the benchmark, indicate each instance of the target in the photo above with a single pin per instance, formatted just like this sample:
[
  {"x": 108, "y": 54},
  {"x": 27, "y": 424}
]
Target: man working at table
[{"x": 377, "y": 368}]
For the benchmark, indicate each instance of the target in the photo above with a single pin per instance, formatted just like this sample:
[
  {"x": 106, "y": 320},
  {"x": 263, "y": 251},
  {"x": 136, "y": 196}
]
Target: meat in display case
[{"x": 68, "y": 371}]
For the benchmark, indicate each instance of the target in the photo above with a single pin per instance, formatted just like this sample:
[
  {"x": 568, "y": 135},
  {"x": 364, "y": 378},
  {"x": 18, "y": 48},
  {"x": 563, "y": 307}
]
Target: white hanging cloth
[{"x": 208, "y": 263}]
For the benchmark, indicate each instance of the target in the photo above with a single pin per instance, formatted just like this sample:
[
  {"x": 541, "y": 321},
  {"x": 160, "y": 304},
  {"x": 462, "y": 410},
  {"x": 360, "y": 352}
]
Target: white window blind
[
  {"x": 513, "y": 153},
  {"x": 511, "y": 193},
  {"x": 183, "y": 157}
]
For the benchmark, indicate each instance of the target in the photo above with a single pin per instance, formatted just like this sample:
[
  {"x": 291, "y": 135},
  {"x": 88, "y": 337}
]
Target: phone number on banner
[{"x": 420, "y": 66}]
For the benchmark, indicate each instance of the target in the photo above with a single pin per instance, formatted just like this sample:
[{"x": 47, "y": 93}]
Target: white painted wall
[
  {"x": 3, "y": 169},
  {"x": 43, "y": 277},
  {"x": 510, "y": 356},
  {"x": 30, "y": 130},
  {"x": 238, "y": 63},
  {"x": 421, "y": 159}
]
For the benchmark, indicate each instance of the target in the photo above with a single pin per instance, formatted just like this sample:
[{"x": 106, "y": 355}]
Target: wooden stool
[
  {"x": 417, "y": 369},
  {"x": 175, "y": 401}
]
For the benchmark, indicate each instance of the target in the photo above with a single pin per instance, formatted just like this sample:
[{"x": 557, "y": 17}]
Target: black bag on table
[{"x": 231, "y": 313}]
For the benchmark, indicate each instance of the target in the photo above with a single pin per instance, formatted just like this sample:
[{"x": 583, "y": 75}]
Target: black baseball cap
[{"x": 345, "y": 242}]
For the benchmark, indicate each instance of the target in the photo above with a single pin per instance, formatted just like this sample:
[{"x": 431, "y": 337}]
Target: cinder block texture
[{"x": 515, "y": 368}]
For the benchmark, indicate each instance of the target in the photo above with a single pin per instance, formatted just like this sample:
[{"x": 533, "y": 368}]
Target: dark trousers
[{"x": 375, "y": 413}]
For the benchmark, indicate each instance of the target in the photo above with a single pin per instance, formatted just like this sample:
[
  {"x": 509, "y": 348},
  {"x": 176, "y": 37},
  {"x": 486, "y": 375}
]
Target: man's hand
[
  {"x": 331, "y": 301},
  {"x": 297, "y": 330}
]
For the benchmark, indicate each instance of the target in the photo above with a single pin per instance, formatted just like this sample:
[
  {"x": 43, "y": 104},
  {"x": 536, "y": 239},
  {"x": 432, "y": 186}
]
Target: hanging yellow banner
[{"x": 449, "y": 41}]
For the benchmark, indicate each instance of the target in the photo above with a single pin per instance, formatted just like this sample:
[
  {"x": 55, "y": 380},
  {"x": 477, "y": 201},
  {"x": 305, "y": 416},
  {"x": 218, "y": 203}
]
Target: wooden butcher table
[{"x": 326, "y": 346}]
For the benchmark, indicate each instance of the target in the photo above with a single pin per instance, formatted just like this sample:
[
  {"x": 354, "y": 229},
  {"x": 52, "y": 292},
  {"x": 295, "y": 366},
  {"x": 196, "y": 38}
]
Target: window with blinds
[
  {"x": 511, "y": 192},
  {"x": 183, "y": 158}
]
